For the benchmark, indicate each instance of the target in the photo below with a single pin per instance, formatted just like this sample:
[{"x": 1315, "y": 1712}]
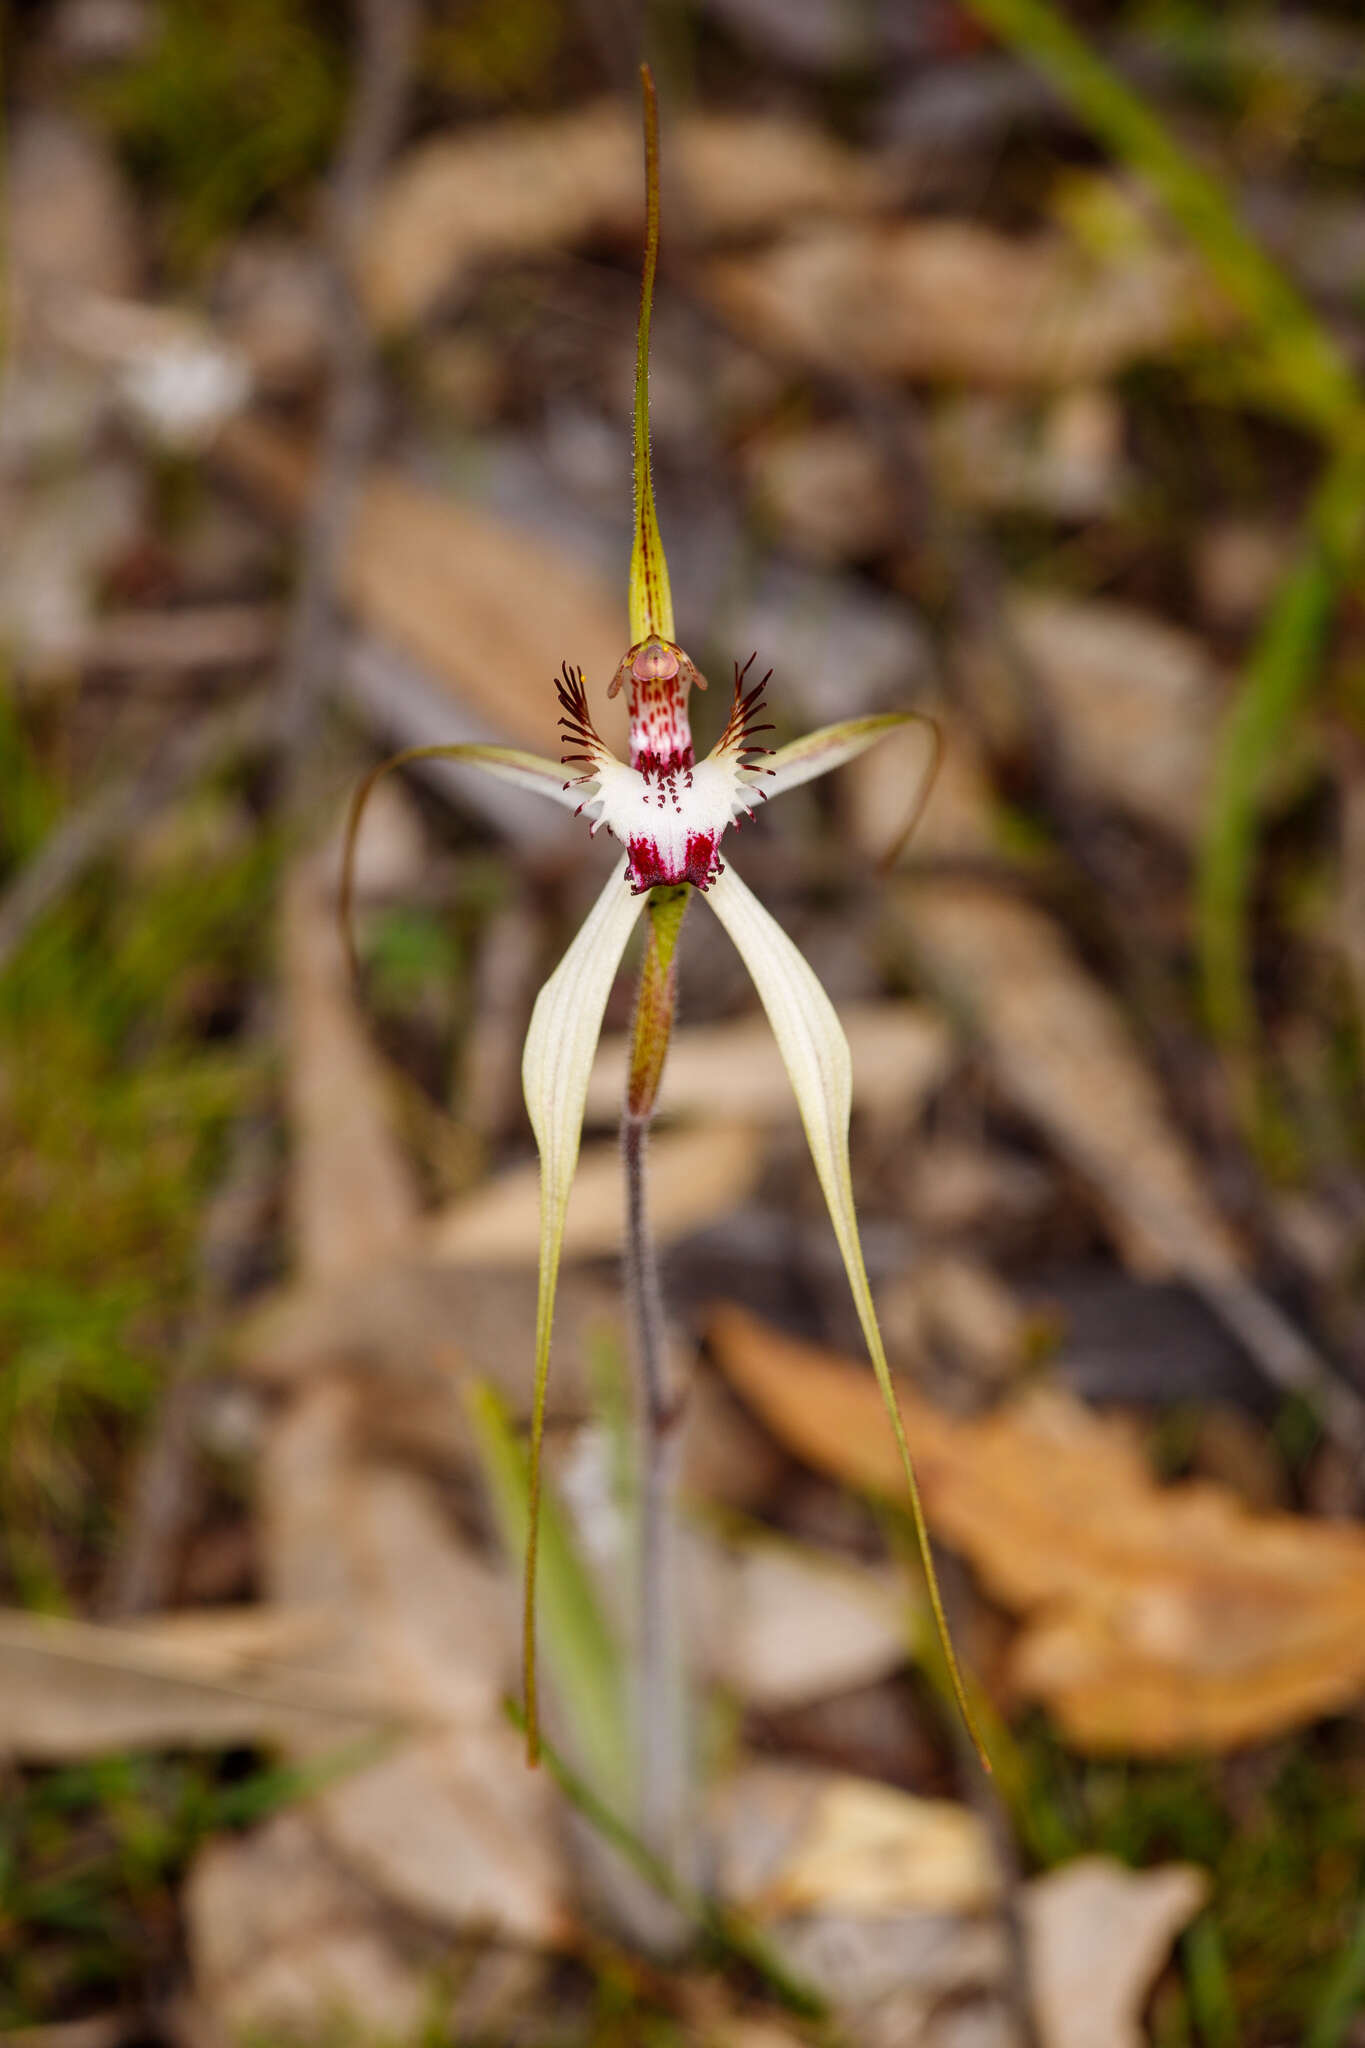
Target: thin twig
[
  {"x": 387, "y": 36},
  {"x": 386, "y": 39}
]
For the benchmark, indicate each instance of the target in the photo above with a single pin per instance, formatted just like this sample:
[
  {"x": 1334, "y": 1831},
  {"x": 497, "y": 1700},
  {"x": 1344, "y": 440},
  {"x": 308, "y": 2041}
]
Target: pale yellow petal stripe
[
  {"x": 565, "y": 1026},
  {"x": 815, "y": 1053}
]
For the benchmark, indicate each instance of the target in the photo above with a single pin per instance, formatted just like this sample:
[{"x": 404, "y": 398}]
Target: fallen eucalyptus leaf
[
  {"x": 1136, "y": 702},
  {"x": 1157, "y": 1619},
  {"x": 445, "y": 583},
  {"x": 955, "y": 300},
  {"x": 695, "y": 1176},
  {"x": 352, "y": 1197},
  {"x": 518, "y": 188},
  {"x": 867, "y": 1848},
  {"x": 1098, "y": 1934},
  {"x": 451, "y": 1825},
  {"x": 782, "y": 1624},
  {"x": 282, "y": 1939}
]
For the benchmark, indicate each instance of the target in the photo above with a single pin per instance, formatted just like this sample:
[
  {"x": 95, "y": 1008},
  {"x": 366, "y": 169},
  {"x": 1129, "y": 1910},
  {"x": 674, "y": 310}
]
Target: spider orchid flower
[{"x": 669, "y": 813}]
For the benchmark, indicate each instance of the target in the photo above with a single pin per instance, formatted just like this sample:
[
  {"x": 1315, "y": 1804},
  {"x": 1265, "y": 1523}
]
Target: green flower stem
[{"x": 660, "y": 1723}]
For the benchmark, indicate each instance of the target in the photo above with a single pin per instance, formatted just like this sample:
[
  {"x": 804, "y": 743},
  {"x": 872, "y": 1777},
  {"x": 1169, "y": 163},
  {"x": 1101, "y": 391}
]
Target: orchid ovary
[{"x": 670, "y": 812}]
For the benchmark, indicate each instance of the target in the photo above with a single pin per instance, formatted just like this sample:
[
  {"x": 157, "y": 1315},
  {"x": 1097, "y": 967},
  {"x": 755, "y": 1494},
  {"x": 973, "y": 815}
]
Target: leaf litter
[
  {"x": 362, "y": 1355},
  {"x": 1155, "y": 1619}
]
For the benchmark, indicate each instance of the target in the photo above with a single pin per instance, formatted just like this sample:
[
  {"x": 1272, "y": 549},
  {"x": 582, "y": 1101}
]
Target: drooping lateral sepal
[{"x": 815, "y": 1053}]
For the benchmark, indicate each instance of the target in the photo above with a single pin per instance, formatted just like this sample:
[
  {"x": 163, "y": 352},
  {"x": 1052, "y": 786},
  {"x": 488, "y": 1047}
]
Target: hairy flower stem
[{"x": 660, "y": 1719}]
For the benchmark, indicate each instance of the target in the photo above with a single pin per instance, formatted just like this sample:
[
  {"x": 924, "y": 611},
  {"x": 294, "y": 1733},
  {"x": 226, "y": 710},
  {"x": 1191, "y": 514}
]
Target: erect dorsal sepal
[{"x": 651, "y": 598}]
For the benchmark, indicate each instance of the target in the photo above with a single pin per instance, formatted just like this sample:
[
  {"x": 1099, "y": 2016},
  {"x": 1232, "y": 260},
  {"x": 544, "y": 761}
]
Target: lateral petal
[
  {"x": 815, "y": 1053},
  {"x": 565, "y": 1026}
]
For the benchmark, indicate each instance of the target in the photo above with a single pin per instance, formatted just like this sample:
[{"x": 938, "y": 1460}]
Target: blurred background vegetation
[{"x": 1008, "y": 362}]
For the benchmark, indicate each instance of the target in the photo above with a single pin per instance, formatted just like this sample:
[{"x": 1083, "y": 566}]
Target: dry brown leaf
[
  {"x": 991, "y": 451},
  {"x": 901, "y": 1051},
  {"x": 1058, "y": 1042},
  {"x": 956, "y": 300},
  {"x": 1098, "y": 1935},
  {"x": 1136, "y": 702},
  {"x": 446, "y": 585},
  {"x": 71, "y": 221},
  {"x": 1158, "y": 1618},
  {"x": 1062, "y": 1050},
  {"x": 865, "y": 1848},
  {"x": 783, "y": 1624},
  {"x": 1061, "y": 1047},
  {"x": 972, "y": 1313},
  {"x": 282, "y": 1940},
  {"x": 1237, "y": 567},
  {"x": 453, "y": 1825},
  {"x": 828, "y": 489},
  {"x": 456, "y": 1829},
  {"x": 960, "y": 1186},
  {"x": 421, "y": 1323},
  {"x": 73, "y": 1689},
  {"x": 745, "y": 2030},
  {"x": 884, "y": 1964},
  {"x": 695, "y": 1177},
  {"x": 353, "y": 1200},
  {"x": 522, "y": 187},
  {"x": 63, "y": 533}
]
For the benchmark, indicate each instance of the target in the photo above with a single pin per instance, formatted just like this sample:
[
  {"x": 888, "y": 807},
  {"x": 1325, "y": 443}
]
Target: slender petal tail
[{"x": 815, "y": 1053}]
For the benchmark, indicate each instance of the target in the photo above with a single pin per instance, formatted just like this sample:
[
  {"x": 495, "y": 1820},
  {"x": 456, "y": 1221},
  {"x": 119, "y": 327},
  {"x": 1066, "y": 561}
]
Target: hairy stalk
[{"x": 660, "y": 1719}]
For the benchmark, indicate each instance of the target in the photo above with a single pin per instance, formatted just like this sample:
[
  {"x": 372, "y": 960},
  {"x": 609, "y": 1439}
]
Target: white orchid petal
[
  {"x": 565, "y": 1026},
  {"x": 815, "y": 1053},
  {"x": 816, "y": 753}
]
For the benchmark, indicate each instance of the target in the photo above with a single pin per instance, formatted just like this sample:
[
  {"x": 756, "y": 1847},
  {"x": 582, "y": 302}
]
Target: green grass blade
[
  {"x": 1343, "y": 1996},
  {"x": 1280, "y": 672},
  {"x": 1306, "y": 367},
  {"x": 580, "y": 1649}
]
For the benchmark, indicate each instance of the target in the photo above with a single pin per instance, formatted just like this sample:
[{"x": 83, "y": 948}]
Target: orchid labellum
[{"x": 669, "y": 813}]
